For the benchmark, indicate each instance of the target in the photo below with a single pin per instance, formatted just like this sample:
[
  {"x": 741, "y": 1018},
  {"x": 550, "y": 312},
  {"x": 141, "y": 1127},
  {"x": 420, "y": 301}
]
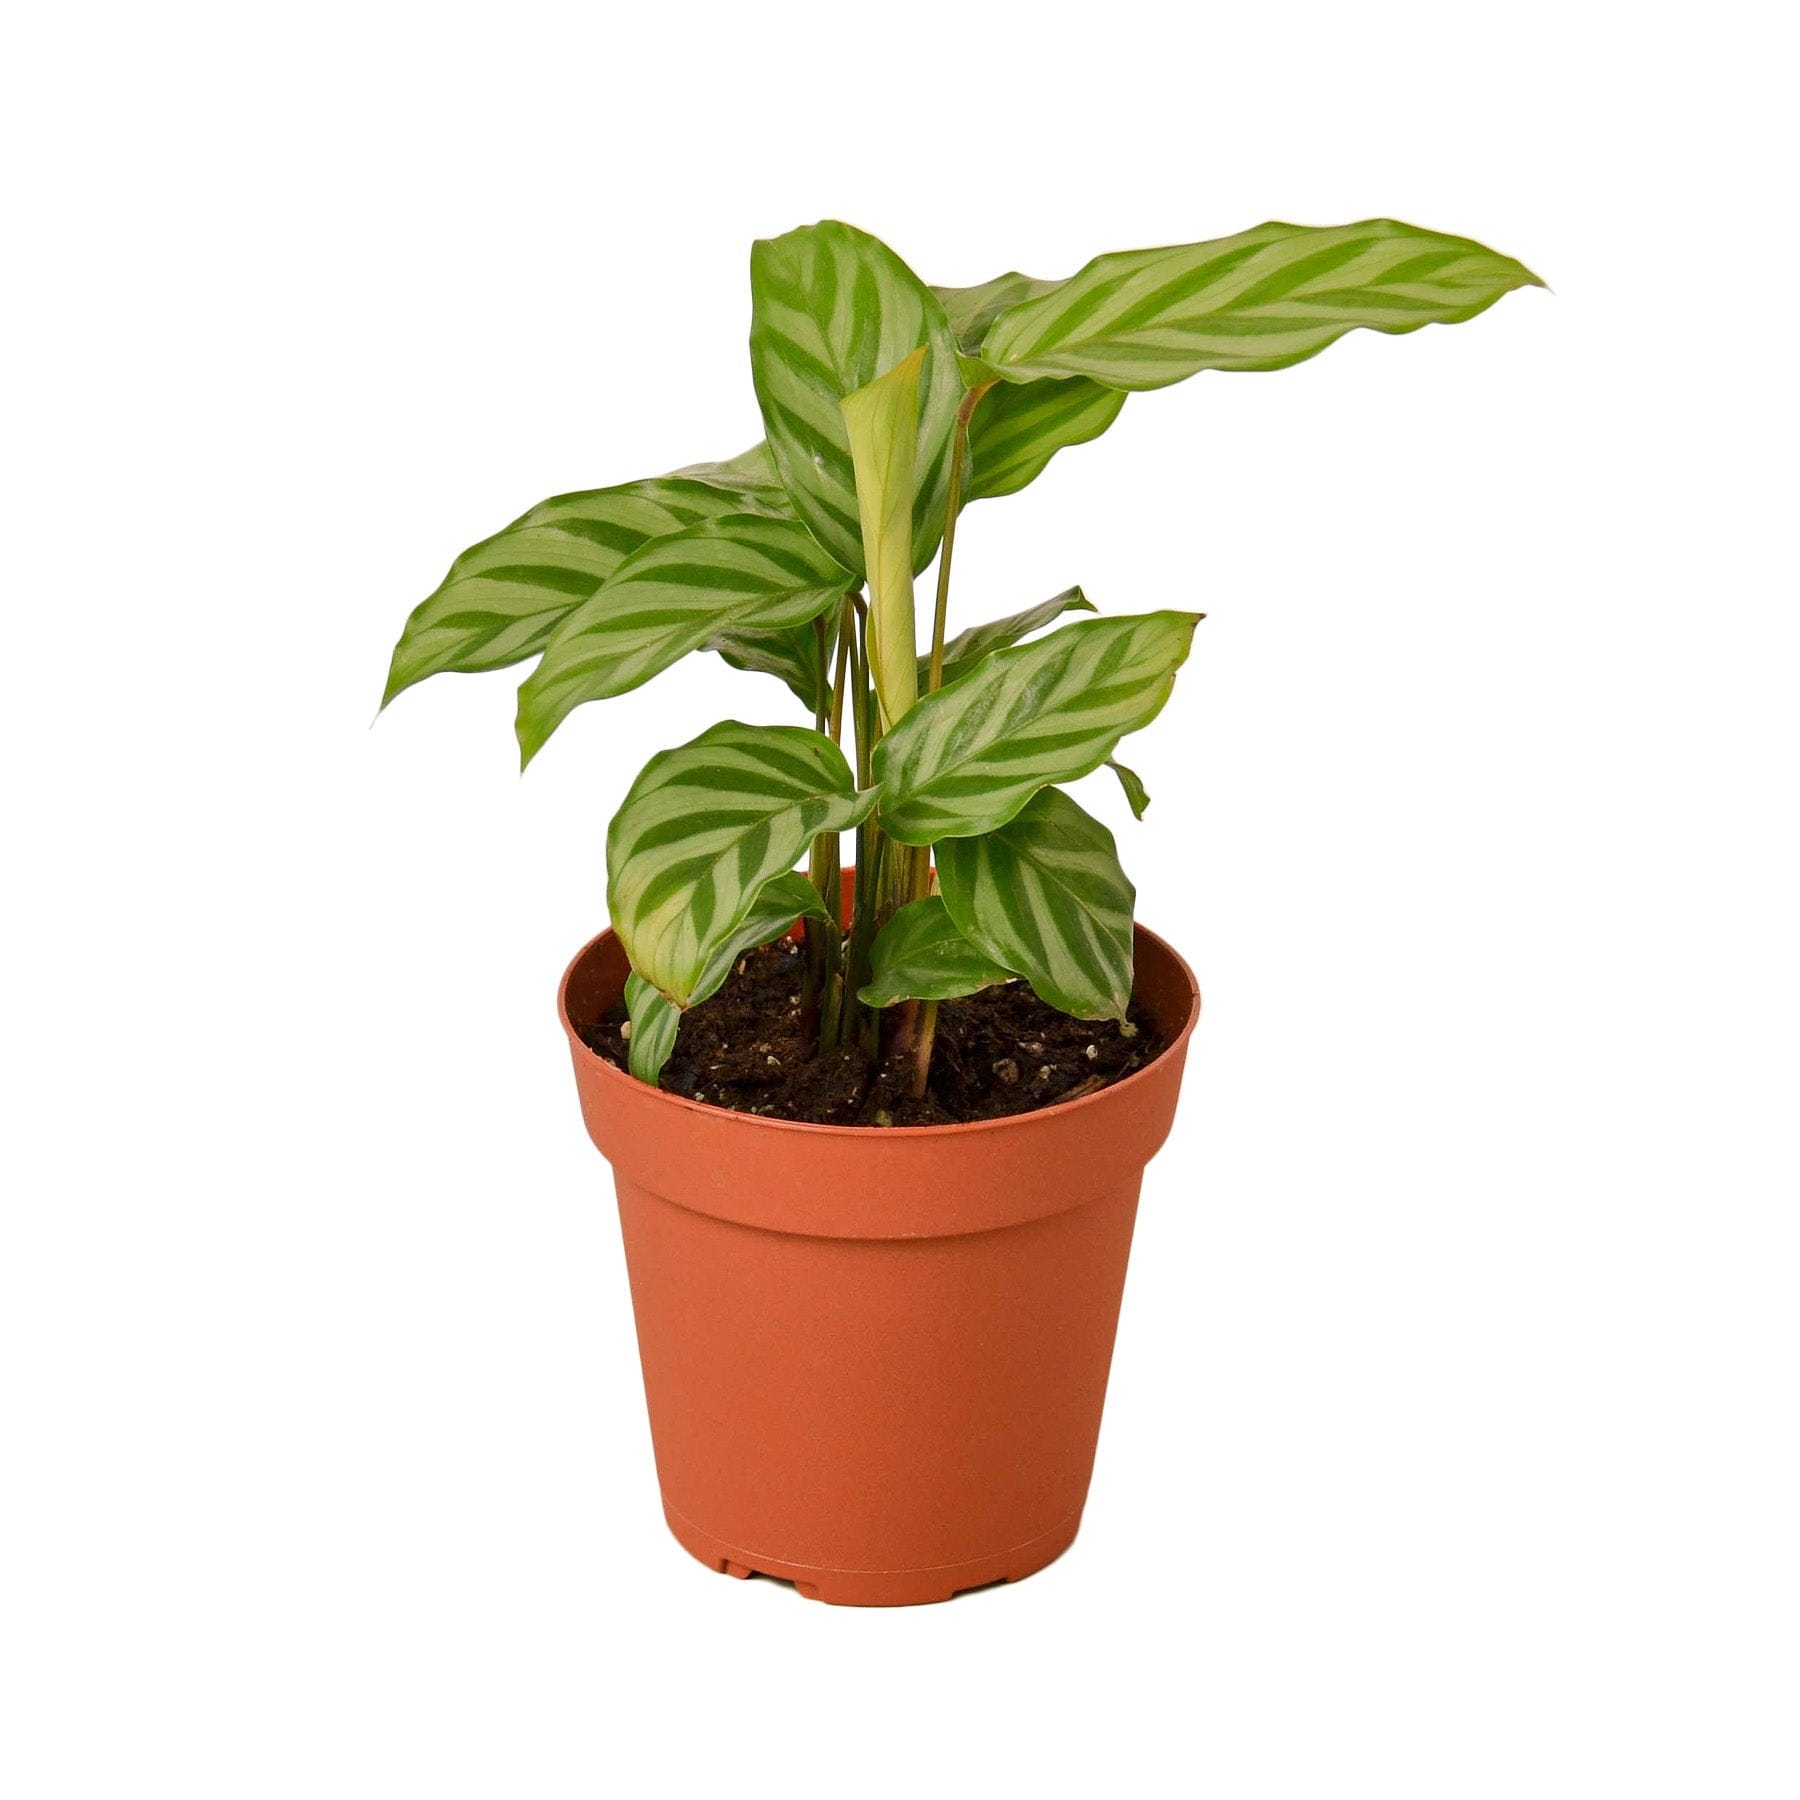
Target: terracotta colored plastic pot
[{"x": 875, "y": 1358}]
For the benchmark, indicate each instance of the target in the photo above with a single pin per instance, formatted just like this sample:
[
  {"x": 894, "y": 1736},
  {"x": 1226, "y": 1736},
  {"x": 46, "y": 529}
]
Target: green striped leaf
[
  {"x": 1019, "y": 426},
  {"x": 701, "y": 831},
  {"x": 883, "y": 422},
  {"x": 1045, "y": 895},
  {"x": 971, "y": 310},
  {"x": 789, "y": 653},
  {"x": 503, "y": 598},
  {"x": 675, "y": 595},
  {"x": 920, "y": 955},
  {"x": 966, "y": 758},
  {"x": 968, "y": 648},
  {"x": 654, "y": 1027},
  {"x": 1261, "y": 300},
  {"x": 1137, "y": 796},
  {"x": 655, "y": 1020},
  {"x": 832, "y": 308},
  {"x": 752, "y": 472}
]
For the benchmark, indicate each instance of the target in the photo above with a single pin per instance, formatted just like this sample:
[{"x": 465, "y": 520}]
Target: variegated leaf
[
  {"x": 966, "y": 758},
  {"x": 920, "y": 955},
  {"x": 790, "y": 653},
  {"x": 1260, "y": 300},
  {"x": 1019, "y": 426},
  {"x": 655, "y": 1019},
  {"x": 704, "y": 827},
  {"x": 971, "y": 310},
  {"x": 503, "y": 598},
  {"x": 1137, "y": 796},
  {"x": 655, "y": 1024},
  {"x": 883, "y": 422},
  {"x": 676, "y": 595},
  {"x": 967, "y": 648},
  {"x": 832, "y": 308},
  {"x": 1045, "y": 895},
  {"x": 751, "y": 472}
]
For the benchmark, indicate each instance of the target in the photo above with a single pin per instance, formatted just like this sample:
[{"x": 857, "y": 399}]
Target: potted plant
[{"x": 878, "y": 1131}]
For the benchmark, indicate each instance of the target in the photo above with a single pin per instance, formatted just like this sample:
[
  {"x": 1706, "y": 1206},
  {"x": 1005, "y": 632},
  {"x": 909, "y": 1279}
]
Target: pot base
[{"x": 877, "y": 1587}]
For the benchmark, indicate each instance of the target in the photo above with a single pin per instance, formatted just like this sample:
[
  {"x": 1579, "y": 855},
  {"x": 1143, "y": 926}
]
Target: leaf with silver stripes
[
  {"x": 966, "y": 758},
  {"x": 503, "y": 598},
  {"x": 673, "y": 596},
  {"x": 1045, "y": 895},
  {"x": 704, "y": 827},
  {"x": 831, "y": 309},
  {"x": 655, "y": 1020},
  {"x": 968, "y": 648},
  {"x": 1263, "y": 299},
  {"x": 920, "y": 955}
]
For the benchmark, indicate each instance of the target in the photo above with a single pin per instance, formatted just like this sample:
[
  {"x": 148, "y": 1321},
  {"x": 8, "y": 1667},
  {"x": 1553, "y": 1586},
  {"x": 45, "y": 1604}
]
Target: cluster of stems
[{"x": 889, "y": 874}]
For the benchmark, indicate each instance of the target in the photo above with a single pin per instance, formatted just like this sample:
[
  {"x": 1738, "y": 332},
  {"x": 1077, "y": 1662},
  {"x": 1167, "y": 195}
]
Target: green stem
[
  {"x": 959, "y": 466},
  {"x": 824, "y": 960},
  {"x": 919, "y": 875},
  {"x": 862, "y": 906}
]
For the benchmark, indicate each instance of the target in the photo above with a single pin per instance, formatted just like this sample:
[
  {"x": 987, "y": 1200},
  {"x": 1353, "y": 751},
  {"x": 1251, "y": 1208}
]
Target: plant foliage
[{"x": 888, "y": 405}]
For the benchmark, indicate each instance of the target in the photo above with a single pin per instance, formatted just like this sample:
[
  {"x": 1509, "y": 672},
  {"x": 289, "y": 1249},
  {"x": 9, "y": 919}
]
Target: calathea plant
[{"x": 889, "y": 406}]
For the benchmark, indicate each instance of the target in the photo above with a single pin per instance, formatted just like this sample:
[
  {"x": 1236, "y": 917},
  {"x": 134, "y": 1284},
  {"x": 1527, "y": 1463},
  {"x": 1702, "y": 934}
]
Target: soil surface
[{"x": 999, "y": 1051}]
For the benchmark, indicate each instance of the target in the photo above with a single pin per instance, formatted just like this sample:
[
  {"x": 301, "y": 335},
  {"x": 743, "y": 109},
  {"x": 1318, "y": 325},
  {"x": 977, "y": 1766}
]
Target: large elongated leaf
[
  {"x": 920, "y": 955},
  {"x": 503, "y": 598},
  {"x": 966, "y": 758},
  {"x": 1260, "y": 300},
  {"x": 832, "y": 308},
  {"x": 676, "y": 594},
  {"x": 655, "y": 1019},
  {"x": 1045, "y": 895},
  {"x": 704, "y": 827},
  {"x": 883, "y": 423},
  {"x": 968, "y": 648}
]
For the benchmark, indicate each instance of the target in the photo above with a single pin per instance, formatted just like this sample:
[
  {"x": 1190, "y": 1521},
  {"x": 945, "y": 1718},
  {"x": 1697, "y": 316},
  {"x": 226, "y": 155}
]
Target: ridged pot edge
[{"x": 870, "y": 1181}]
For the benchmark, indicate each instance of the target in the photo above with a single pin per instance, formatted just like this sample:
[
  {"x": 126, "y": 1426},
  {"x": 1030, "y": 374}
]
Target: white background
[{"x": 1451, "y": 1449}]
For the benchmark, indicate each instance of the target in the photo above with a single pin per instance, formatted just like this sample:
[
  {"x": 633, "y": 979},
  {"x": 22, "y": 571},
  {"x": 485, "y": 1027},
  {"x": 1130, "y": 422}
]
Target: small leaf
[
  {"x": 655, "y": 1020},
  {"x": 503, "y": 598},
  {"x": 968, "y": 648},
  {"x": 831, "y": 308},
  {"x": 673, "y": 596},
  {"x": 790, "y": 653},
  {"x": 1137, "y": 796},
  {"x": 704, "y": 828},
  {"x": 972, "y": 310},
  {"x": 1046, "y": 896},
  {"x": 883, "y": 422},
  {"x": 920, "y": 955},
  {"x": 966, "y": 758},
  {"x": 1020, "y": 425},
  {"x": 654, "y": 1025},
  {"x": 1263, "y": 299}
]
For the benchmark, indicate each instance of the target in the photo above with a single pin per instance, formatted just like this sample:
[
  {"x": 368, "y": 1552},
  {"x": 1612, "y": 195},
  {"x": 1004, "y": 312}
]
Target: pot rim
[{"x": 610, "y": 1071}]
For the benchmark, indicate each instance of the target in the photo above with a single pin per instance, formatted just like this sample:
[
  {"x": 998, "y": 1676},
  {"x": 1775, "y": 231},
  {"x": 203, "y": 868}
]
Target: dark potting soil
[{"x": 997, "y": 1052}]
